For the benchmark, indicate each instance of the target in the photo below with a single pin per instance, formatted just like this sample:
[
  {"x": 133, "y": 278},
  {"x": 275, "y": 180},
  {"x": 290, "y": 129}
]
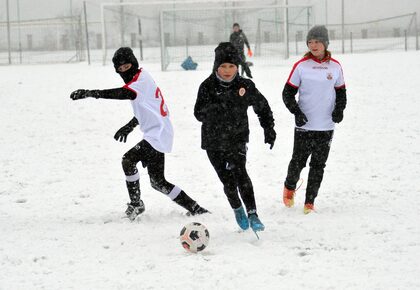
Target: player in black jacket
[
  {"x": 222, "y": 104},
  {"x": 239, "y": 40}
]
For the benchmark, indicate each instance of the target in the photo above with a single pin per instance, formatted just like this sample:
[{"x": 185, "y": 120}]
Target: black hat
[
  {"x": 225, "y": 52},
  {"x": 124, "y": 55},
  {"x": 320, "y": 33}
]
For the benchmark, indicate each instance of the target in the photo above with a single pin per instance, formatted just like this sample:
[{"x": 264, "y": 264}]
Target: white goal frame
[
  {"x": 148, "y": 4},
  {"x": 186, "y": 2}
]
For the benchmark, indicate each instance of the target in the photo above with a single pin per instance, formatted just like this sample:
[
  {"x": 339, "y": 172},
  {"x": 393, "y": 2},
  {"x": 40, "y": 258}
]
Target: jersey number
[{"x": 163, "y": 109}]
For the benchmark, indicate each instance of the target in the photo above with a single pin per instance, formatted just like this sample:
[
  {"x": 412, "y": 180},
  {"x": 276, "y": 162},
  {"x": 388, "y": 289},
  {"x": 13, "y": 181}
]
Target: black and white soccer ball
[{"x": 194, "y": 237}]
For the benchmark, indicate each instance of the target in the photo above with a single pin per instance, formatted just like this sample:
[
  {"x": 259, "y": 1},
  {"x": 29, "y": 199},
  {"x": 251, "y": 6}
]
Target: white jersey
[
  {"x": 151, "y": 111},
  {"x": 316, "y": 81}
]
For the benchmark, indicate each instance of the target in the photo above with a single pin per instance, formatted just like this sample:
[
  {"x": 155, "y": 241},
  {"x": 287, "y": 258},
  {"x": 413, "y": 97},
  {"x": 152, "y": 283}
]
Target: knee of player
[
  {"x": 229, "y": 187},
  {"x": 298, "y": 164},
  {"x": 157, "y": 183},
  {"x": 317, "y": 165},
  {"x": 125, "y": 161},
  {"x": 240, "y": 172},
  {"x": 302, "y": 164}
]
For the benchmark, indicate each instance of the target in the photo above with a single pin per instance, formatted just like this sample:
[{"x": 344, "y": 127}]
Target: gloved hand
[
  {"x": 82, "y": 94},
  {"x": 250, "y": 53},
  {"x": 337, "y": 116},
  {"x": 300, "y": 118},
  {"x": 270, "y": 137},
  {"x": 123, "y": 132}
]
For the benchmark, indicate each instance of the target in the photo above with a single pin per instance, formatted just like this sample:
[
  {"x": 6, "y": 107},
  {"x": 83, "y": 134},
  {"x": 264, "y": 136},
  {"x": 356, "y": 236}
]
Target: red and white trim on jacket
[
  {"x": 293, "y": 70},
  {"x": 135, "y": 78},
  {"x": 316, "y": 60},
  {"x": 343, "y": 85}
]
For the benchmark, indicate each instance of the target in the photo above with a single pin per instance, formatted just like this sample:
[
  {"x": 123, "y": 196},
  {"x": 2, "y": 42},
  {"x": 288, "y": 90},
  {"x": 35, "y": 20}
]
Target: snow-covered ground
[{"x": 62, "y": 189}]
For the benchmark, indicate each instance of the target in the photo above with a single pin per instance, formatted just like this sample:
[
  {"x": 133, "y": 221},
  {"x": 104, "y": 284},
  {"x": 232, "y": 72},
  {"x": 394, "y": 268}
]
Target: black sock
[
  {"x": 185, "y": 201},
  {"x": 134, "y": 192}
]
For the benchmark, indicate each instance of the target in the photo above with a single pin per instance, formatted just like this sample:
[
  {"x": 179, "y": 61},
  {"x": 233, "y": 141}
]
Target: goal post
[
  {"x": 173, "y": 30},
  {"x": 137, "y": 10}
]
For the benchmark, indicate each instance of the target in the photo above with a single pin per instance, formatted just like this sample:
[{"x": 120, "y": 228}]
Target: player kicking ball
[
  {"x": 151, "y": 113},
  {"x": 222, "y": 104}
]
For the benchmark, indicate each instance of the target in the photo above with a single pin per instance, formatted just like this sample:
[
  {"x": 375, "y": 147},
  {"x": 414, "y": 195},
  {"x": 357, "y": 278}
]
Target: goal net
[
  {"x": 130, "y": 24},
  {"x": 169, "y": 32},
  {"x": 391, "y": 33},
  {"x": 48, "y": 40},
  {"x": 196, "y": 32}
]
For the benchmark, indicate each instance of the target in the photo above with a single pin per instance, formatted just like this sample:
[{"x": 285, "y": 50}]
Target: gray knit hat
[{"x": 320, "y": 33}]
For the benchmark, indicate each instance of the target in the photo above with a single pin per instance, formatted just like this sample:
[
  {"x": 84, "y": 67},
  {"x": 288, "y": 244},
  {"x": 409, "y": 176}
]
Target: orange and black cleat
[
  {"x": 288, "y": 197},
  {"x": 308, "y": 208}
]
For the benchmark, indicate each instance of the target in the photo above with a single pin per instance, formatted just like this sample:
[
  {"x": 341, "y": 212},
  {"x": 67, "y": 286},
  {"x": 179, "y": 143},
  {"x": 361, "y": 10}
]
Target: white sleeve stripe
[
  {"x": 174, "y": 192},
  {"x": 132, "y": 178}
]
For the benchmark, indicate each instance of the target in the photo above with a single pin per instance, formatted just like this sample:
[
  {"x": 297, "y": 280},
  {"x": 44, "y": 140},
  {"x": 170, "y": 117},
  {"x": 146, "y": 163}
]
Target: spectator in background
[{"x": 239, "y": 40}]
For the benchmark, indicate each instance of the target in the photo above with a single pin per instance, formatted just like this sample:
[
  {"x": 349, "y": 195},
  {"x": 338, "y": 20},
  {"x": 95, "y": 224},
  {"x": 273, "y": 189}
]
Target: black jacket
[
  {"x": 239, "y": 39},
  {"x": 222, "y": 109}
]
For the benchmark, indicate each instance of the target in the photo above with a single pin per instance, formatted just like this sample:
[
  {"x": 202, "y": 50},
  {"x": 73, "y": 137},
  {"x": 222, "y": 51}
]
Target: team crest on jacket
[
  {"x": 242, "y": 92},
  {"x": 329, "y": 76}
]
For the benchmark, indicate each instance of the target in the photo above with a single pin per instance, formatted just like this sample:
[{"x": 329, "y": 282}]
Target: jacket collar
[{"x": 325, "y": 59}]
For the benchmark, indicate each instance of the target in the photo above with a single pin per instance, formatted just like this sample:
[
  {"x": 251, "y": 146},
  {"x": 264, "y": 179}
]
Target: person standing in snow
[
  {"x": 239, "y": 40},
  {"x": 151, "y": 113},
  {"x": 322, "y": 99},
  {"x": 222, "y": 104}
]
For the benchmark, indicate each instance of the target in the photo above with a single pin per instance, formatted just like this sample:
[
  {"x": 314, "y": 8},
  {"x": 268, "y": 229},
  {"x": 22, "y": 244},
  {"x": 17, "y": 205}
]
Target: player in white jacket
[
  {"x": 322, "y": 99},
  {"x": 151, "y": 113}
]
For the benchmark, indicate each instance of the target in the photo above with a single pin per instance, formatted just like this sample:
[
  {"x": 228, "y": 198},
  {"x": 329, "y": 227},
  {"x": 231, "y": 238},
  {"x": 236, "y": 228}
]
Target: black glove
[
  {"x": 270, "y": 137},
  {"x": 123, "y": 132},
  {"x": 337, "y": 116},
  {"x": 300, "y": 118},
  {"x": 83, "y": 94}
]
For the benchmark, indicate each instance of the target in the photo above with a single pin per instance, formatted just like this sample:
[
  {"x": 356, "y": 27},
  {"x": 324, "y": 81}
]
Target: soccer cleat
[
  {"x": 308, "y": 208},
  {"x": 241, "y": 218},
  {"x": 256, "y": 224},
  {"x": 288, "y": 197},
  {"x": 134, "y": 210},
  {"x": 197, "y": 210}
]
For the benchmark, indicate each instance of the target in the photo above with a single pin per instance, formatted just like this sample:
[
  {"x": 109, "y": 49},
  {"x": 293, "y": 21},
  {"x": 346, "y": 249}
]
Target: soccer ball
[{"x": 194, "y": 237}]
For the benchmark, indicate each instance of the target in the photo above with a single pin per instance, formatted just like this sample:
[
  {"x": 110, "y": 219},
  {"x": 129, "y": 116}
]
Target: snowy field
[{"x": 62, "y": 189}]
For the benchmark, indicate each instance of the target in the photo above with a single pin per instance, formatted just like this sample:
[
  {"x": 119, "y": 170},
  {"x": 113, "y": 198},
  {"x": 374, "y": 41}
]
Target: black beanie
[
  {"x": 225, "y": 52},
  {"x": 319, "y": 33},
  {"x": 124, "y": 55}
]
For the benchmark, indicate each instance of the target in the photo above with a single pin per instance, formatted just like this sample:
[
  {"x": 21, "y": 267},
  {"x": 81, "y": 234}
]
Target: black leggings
[
  {"x": 150, "y": 158},
  {"x": 230, "y": 167},
  {"x": 244, "y": 65},
  {"x": 306, "y": 143}
]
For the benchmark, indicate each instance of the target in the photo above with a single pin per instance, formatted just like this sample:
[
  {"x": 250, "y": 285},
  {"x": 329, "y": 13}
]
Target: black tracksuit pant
[
  {"x": 244, "y": 65},
  {"x": 230, "y": 167},
  {"x": 309, "y": 143},
  {"x": 155, "y": 162}
]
